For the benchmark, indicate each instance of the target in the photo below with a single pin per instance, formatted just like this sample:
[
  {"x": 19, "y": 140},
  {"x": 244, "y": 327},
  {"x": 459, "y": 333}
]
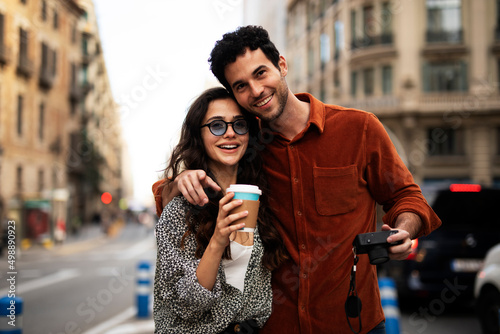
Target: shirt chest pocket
[{"x": 335, "y": 190}]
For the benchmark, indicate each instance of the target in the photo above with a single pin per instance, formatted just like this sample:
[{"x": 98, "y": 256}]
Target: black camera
[{"x": 375, "y": 244}]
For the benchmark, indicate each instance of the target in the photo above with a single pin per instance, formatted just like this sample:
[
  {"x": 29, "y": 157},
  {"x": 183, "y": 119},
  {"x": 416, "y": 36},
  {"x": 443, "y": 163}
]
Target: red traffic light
[{"x": 106, "y": 198}]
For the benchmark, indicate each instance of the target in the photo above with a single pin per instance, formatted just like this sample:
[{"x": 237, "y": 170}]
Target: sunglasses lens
[
  {"x": 240, "y": 127},
  {"x": 218, "y": 128}
]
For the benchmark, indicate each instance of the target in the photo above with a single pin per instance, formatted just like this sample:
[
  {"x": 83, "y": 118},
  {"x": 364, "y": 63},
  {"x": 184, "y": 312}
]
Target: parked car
[
  {"x": 444, "y": 264},
  {"x": 487, "y": 292}
]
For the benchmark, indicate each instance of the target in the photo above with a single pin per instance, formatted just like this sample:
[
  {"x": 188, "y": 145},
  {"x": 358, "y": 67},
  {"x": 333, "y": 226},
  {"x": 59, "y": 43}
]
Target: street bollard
[
  {"x": 389, "y": 299},
  {"x": 11, "y": 315},
  {"x": 143, "y": 289}
]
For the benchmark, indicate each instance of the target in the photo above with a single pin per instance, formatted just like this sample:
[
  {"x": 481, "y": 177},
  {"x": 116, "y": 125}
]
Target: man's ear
[{"x": 283, "y": 66}]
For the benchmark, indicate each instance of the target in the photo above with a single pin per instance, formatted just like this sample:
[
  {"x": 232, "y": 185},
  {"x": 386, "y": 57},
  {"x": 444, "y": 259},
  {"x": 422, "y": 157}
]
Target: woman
[{"x": 201, "y": 283}]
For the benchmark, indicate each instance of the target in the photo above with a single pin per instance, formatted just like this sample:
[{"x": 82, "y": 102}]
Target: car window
[{"x": 463, "y": 210}]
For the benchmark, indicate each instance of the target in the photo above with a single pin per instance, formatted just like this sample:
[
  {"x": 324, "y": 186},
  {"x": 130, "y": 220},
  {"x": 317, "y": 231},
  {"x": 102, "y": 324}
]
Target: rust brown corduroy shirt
[{"x": 324, "y": 185}]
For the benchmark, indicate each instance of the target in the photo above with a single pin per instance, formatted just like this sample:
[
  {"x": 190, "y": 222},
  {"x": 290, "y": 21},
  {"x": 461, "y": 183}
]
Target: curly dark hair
[
  {"x": 235, "y": 44},
  {"x": 190, "y": 154}
]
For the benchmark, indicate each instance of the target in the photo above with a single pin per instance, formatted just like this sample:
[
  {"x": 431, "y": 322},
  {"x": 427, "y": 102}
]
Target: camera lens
[{"x": 378, "y": 255}]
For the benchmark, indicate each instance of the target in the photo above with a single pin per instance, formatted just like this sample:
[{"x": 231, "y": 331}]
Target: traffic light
[{"x": 106, "y": 198}]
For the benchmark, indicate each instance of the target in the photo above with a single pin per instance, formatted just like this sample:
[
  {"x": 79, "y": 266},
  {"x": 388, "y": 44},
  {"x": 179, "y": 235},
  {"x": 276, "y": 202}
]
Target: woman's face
[{"x": 228, "y": 149}]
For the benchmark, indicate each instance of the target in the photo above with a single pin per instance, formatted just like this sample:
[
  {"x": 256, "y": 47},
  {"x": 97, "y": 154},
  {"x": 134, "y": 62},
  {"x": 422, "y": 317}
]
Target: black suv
[{"x": 444, "y": 263}]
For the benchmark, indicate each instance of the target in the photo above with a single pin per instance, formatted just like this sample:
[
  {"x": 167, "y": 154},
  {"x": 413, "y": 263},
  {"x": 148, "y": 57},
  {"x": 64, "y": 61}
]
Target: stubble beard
[{"x": 281, "y": 95}]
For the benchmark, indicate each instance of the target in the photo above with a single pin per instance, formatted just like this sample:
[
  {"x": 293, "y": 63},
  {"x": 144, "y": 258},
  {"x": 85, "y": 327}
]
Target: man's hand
[
  {"x": 409, "y": 225},
  {"x": 190, "y": 184}
]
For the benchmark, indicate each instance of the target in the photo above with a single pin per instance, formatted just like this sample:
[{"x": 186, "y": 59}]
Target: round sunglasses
[{"x": 219, "y": 127}]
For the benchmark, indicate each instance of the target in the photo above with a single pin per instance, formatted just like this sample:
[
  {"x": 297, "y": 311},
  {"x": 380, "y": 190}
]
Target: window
[
  {"x": 368, "y": 81},
  {"x": 339, "y": 38},
  {"x": 40, "y": 180},
  {"x": 85, "y": 47},
  {"x": 85, "y": 79},
  {"x": 44, "y": 10},
  {"x": 311, "y": 9},
  {"x": 23, "y": 44},
  {"x": 41, "y": 119},
  {"x": 444, "y": 21},
  {"x": 386, "y": 21},
  {"x": 2, "y": 20},
  {"x": 353, "y": 28},
  {"x": 20, "y": 107},
  {"x": 354, "y": 83},
  {"x": 387, "y": 80},
  {"x": 54, "y": 62},
  {"x": 73, "y": 33},
  {"x": 498, "y": 140},
  {"x": 310, "y": 60},
  {"x": 445, "y": 77},
  {"x": 47, "y": 66},
  {"x": 44, "y": 64},
  {"x": 324, "y": 46},
  {"x": 497, "y": 27},
  {"x": 322, "y": 90},
  {"x": 445, "y": 141},
  {"x": 54, "y": 178},
  {"x": 19, "y": 178},
  {"x": 368, "y": 23},
  {"x": 55, "y": 18}
]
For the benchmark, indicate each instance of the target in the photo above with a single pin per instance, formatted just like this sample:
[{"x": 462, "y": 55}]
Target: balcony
[
  {"x": 25, "y": 67},
  {"x": 75, "y": 93},
  {"x": 368, "y": 41},
  {"x": 86, "y": 58},
  {"x": 46, "y": 79},
  {"x": 87, "y": 87},
  {"x": 460, "y": 103},
  {"x": 454, "y": 36}
]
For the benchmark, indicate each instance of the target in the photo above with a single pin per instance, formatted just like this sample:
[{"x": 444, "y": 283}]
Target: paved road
[{"x": 79, "y": 287}]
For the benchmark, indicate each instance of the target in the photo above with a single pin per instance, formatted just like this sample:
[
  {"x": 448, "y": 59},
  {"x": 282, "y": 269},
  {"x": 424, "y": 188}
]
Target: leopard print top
[{"x": 181, "y": 304}]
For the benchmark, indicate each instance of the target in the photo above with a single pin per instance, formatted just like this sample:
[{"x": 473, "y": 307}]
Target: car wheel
[{"x": 488, "y": 306}]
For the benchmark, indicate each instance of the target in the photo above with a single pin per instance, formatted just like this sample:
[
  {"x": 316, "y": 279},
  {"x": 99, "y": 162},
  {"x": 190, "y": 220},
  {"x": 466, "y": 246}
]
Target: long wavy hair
[{"x": 190, "y": 154}]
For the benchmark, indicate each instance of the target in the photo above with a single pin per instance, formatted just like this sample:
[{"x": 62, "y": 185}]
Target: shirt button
[
  {"x": 302, "y": 307},
  {"x": 299, "y": 213},
  {"x": 304, "y": 275},
  {"x": 296, "y": 180},
  {"x": 292, "y": 147},
  {"x": 303, "y": 246}
]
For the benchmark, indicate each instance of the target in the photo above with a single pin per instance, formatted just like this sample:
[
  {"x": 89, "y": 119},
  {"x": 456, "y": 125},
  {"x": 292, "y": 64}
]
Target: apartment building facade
[
  {"x": 51, "y": 165},
  {"x": 428, "y": 69}
]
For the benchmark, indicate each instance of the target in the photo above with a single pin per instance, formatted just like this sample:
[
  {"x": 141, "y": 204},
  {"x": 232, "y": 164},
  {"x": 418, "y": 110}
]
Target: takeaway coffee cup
[{"x": 250, "y": 195}]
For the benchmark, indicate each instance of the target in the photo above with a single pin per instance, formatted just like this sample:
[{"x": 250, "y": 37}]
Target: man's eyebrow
[{"x": 257, "y": 70}]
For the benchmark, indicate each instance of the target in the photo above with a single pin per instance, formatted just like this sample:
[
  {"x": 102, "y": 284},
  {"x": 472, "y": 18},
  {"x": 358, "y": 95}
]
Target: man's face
[{"x": 258, "y": 85}]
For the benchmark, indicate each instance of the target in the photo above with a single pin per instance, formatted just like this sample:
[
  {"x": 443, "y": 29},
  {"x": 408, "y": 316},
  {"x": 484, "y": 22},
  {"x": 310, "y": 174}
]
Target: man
[{"x": 327, "y": 166}]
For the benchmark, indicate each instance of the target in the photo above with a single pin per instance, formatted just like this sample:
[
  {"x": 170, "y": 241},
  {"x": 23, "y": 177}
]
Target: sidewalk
[{"x": 89, "y": 236}]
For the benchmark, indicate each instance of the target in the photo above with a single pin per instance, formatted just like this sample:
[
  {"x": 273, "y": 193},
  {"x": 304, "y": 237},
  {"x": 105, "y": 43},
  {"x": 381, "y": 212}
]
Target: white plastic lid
[{"x": 244, "y": 188}]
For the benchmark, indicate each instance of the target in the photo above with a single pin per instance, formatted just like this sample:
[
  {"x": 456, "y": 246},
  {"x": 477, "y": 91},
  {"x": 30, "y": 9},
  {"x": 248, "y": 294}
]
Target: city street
[
  {"x": 77, "y": 287},
  {"x": 88, "y": 287}
]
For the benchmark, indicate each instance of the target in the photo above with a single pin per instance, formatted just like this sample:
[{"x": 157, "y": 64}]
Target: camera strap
[{"x": 353, "y": 302}]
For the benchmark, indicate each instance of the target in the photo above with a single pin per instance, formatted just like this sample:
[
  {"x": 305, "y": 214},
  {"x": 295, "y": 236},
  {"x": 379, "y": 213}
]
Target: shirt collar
[{"x": 317, "y": 111}]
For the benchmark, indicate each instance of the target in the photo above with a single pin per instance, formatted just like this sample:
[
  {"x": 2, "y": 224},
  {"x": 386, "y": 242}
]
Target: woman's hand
[
  {"x": 224, "y": 226},
  {"x": 210, "y": 261}
]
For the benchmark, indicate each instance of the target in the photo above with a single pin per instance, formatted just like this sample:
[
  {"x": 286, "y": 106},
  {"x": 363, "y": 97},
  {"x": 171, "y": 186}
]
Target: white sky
[{"x": 156, "y": 55}]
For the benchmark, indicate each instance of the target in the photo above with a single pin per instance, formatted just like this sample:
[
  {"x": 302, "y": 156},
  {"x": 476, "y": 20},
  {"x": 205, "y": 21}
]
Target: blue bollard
[
  {"x": 143, "y": 289},
  {"x": 389, "y": 299},
  {"x": 11, "y": 315}
]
